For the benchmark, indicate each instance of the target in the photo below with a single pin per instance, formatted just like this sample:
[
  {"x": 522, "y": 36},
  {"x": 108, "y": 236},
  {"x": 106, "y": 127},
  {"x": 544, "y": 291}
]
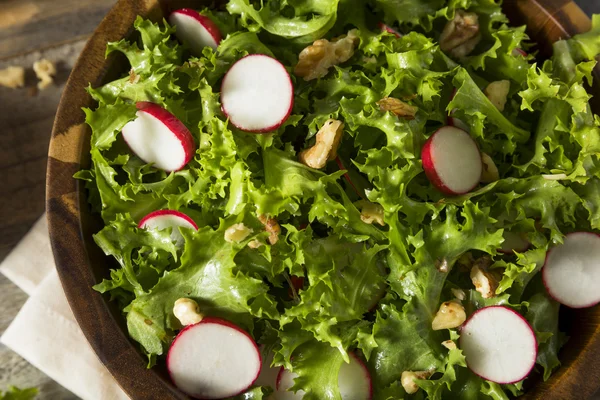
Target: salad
[{"x": 348, "y": 199}]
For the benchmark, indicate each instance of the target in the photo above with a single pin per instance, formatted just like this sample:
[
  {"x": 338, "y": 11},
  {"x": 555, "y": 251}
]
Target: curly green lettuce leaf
[
  {"x": 345, "y": 281},
  {"x": 14, "y": 393},
  {"x": 209, "y": 275},
  {"x": 311, "y": 18}
]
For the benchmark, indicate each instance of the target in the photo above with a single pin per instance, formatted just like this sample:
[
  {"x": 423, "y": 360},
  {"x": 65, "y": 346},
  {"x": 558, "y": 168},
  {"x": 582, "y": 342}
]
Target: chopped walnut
[
  {"x": 325, "y": 149},
  {"x": 397, "y": 107},
  {"x": 450, "y": 315},
  {"x": 461, "y": 35},
  {"x": 408, "y": 380},
  {"x": 272, "y": 227},
  {"x": 315, "y": 60},
  {"x": 236, "y": 233},
  {"x": 187, "y": 311},
  {"x": 44, "y": 69},
  {"x": 371, "y": 212},
  {"x": 459, "y": 294},
  {"x": 497, "y": 93},
  {"x": 12, "y": 77},
  {"x": 449, "y": 344},
  {"x": 442, "y": 266},
  {"x": 485, "y": 282},
  {"x": 254, "y": 244},
  {"x": 490, "y": 171},
  {"x": 133, "y": 77}
]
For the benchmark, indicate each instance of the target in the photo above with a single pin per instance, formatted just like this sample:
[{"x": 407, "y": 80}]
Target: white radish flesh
[
  {"x": 499, "y": 345},
  {"x": 213, "y": 359},
  {"x": 514, "y": 242},
  {"x": 268, "y": 375},
  {"x": 452, "y": 161},
  {"x": 572, "y": 270},
  {"x": 257, "y": 94},
  {"x": 163, "y": 219},
  {"x": 195, "y": 30},
  {"x": 354, "y": 382},
  {"x": 158, "y": 137}
]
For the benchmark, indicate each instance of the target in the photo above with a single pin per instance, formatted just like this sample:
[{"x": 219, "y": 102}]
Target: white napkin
[{"x": 45, "y": 332}]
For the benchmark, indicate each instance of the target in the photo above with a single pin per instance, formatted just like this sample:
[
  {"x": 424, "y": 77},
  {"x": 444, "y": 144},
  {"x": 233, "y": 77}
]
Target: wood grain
[
  {"x": 28, "y": 25},
  {"x": 58, "y": 28}
]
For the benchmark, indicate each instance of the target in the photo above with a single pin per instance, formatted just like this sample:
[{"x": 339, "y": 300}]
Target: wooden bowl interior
[{"x": 81, "y": 263}]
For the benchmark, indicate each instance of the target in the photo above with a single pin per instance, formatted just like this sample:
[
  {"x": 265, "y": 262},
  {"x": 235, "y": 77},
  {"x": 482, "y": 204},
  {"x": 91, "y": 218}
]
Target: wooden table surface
[{"x": 30, "y": 30}]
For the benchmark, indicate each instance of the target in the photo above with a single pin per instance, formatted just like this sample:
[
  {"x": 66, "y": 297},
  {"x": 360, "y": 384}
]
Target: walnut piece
[
  {"x": 450, "y": 315},
  {"x": 490, "y": 171},
  {"x": 315, "y": 60},
  {"x": 236, "y": 233},
  {"x": 449, "y": 344},
  {"x": 397, "y": 107},
  {"x": 460, "y": 35},
  {"x": 408, "y": 380},
  {"x": 459, "y": 294},
  {"x": 325, "y": 149},
  {"x": 371, "y": 212},
  {"x": 44, "y": 69},
  {"x": 485, "y": 282},
  {"x": 272, "y": 227},
  {"x": 254, "y": 244},
  {"x": 12, "y": 77},
  {"x": 497, "y": 93},
  {"x": 187, "y": 311}
]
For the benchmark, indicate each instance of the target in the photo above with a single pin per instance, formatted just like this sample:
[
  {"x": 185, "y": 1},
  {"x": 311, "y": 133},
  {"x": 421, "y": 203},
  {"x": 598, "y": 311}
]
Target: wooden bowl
[{"x": 81, "y": 264}]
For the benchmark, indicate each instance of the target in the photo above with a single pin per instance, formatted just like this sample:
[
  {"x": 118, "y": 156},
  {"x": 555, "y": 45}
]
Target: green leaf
[{"x": 14, "y": 393}]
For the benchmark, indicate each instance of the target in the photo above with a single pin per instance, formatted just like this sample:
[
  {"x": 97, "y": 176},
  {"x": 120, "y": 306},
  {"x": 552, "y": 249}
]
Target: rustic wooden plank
[
  {"x": 35, "y": 24},
  {"x": 26, "y": 122}
]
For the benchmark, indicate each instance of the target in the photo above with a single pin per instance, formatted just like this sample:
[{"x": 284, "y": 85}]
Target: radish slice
[
  {"x": 514, "y": 242},
  {"x": 452, "y": 161},
  {"x": 213, "y": 359},
  {"x": 572, "y": 270},
  {"x": 519, "y": 52},
  {"x": 389, "y": 29},
  {"x": 257, "y": 94},
  {"x": 459, "y": 123},
  {"x": 268, "y": 375},
  {"x": 163, "y": 219},
  {"x": 499, "y": 345},
  {"x": 354, "y": 382},
  {"x": 158, "y": 137},
  {"x": 195, "y": 30}
]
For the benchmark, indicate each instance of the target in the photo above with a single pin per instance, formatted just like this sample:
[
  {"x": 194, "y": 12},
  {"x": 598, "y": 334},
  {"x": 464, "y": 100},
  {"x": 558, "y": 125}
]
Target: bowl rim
[{"x": 66, "y": 209}]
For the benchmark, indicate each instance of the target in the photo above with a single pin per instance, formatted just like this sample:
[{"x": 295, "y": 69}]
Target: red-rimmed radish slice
[
  {"x": 163, "y": 219},
  {"x": 459, "y": 123},
  {"x": 514, "y": 242},
  {"x": 257, "y": 94},
  {"x": 354, "y": 382},
  {"x": 213, "y": 359},
  {"x": 572, "y": 270},
  {"x": 158, "y": 137},
  {"x": 452, "y": 161},
  {"x": 387, "y": 28},
  {"x": 519, "y": 52},
  {"x": 499, "y": 345},
  {"x": 268, "y": 375},
  {"x": 195, "y": 29},
  {"x": 297, "y": 284}
]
